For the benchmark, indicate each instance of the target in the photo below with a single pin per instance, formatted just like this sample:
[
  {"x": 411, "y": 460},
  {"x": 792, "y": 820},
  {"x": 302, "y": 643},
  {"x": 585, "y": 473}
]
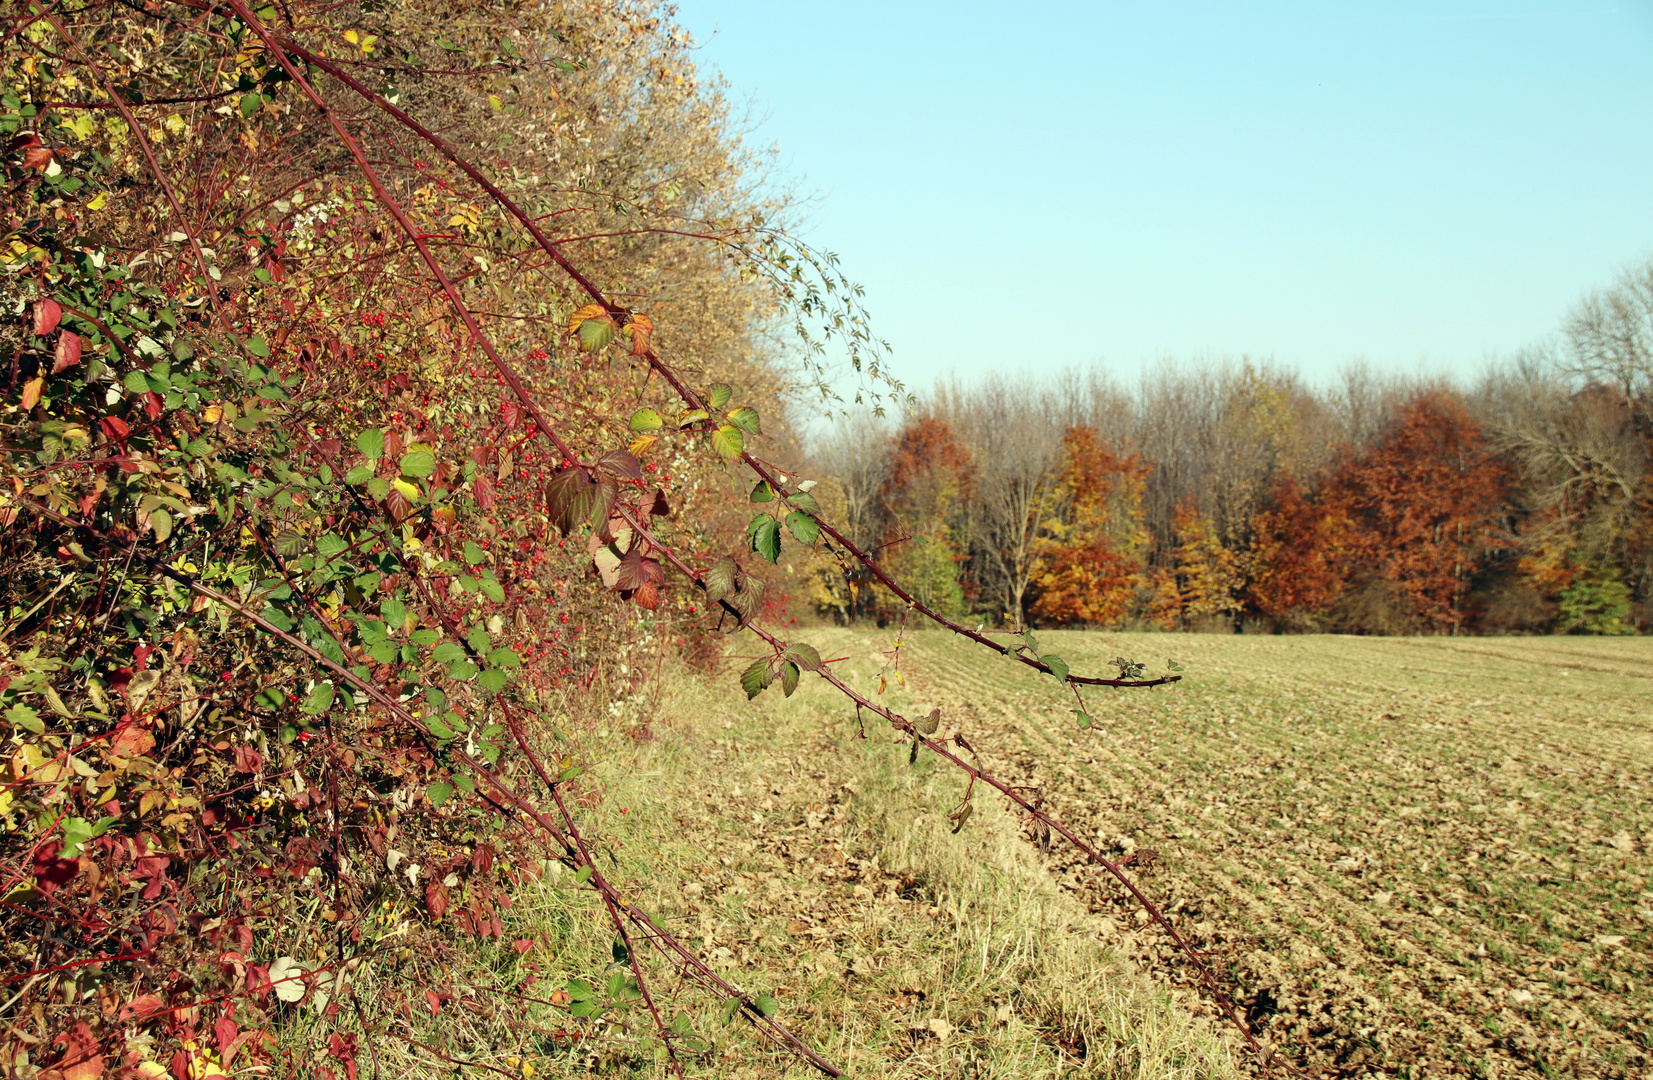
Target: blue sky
[{"x": 1422, "y": 186}]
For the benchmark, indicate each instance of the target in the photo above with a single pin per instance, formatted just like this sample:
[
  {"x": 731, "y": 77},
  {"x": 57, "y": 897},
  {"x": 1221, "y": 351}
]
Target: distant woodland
[{"x": 1233, "y": 495}]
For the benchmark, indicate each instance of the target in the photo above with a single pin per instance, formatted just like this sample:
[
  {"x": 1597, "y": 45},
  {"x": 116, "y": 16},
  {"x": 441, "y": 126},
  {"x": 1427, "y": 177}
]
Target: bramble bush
[{"x": 340, "y": 500}]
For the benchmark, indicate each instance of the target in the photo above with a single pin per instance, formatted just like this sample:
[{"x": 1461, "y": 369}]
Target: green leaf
[
  {"x": 504, "y": 658},
  {"x": 720, "y": 579},
  {"x": 582, "y": 876},
  {"x": 596, "y": 333},
  {"x": 371, "y": 443},
  {"x": 76, "y": 831},
  {"x": 755, "y": 679},
  {"x": 258, "y": 346},
  {"x": 762, "y": 492},
  {"x": 320, "y": 699},
  {"x": 492, "y": 680},
  {"x": 803, "y": 500},
  {"x": 439, "y": 793},
  {"x": 418, "y": 464},
  {"x": 491, "y": 588},
  {"x": 616, "y": 984},
  {"x": 789, "y": 678},
  {"x": 378, "y": 487},
  {"x": 1058, "y": 667},
  {"x": 728, "y": 442},
  {"x": 646, "y": 420},
  {"x": 618, "y": 950},
  {"x": 719, "y": 395},
  {"x": 745, "y": 418},
  {"x": 804, "y": 656},
  {"x": 26, "y": 718},
  {"x": 161, "y": 522},
  {"x": 137, "y": 382},
  {"x": 802, "y": 526},
  {"x": 764, "y": 534},
  {"x": 250, "y": 103},
  {"x": 447, "y": 653},
  {"x": 474, "y": 555},
  {"x": 766, "y": 1005},
  {"x": 360, "y": 474},
  {"x": 1085, "y": 718},
  {"x": 440, "y": 727},
  {"x": 582, "y": 1008}
]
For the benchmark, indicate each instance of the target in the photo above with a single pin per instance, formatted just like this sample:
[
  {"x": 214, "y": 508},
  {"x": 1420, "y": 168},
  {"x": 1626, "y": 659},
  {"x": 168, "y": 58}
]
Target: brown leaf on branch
[{"x": 641, "y": 329}]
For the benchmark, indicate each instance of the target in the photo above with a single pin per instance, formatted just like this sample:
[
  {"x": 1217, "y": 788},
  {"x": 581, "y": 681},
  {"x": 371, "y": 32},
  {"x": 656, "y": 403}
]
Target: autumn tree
[
  {"x": 1298, "y": 558},
  {"x": 929, "y": 481},
  {"x": 1424, "y": 508},
  {"x": 1090, "y": 564}
]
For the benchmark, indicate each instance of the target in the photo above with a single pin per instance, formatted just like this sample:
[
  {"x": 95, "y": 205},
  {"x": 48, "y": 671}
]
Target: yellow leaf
[
  {"x": 31, "y": 392},
  {"x": 642, "y": 443},
  {"x": 352, "y": 37},
  {"x": 590, "y": 311},
  {"x": 640, "y": 330},
  {"x": 495, "y": 101},
  {"x": 405, "y": 488},
  {"x": 99, "y": 202},
  {"x": 212, "y": 413},
  {"x": 174, "y": 124}
]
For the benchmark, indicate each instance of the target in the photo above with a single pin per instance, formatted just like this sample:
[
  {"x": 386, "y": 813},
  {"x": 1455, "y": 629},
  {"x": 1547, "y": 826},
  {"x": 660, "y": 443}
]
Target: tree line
[{"x": 1236, "y": 495}]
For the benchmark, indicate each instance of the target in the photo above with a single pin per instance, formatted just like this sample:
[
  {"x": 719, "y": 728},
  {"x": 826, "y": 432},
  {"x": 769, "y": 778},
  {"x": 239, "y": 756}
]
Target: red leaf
[
  {"x": 153, "y": 405},
  {"x": 436, "y": 900},
  {"x": 247, "y": 759},
  {"x": 114, "y": 428},
  {"x": 81, "y": 1058},
  {"x": 484, "y": 492},
  {"x": 225, "y": 1031},
  {"x": 37, "y": 157},
  {"x": 523, "y": 945},
  {"x": 398, "y": 505},
  {"x": 68, "y": 351},
  {"x": 511, "y": 413},
  {"x": 47, "y": 314},
  {"x": 434, "y": 1001}
]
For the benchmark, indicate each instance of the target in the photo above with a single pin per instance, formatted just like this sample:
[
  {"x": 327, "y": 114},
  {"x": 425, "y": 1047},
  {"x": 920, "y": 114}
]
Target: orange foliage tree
[
  {"x": 928, "y": 484},
  {"x": 1298, "y": 555},
  {"x": 1423, "y": 507},
  {"x": 1092, "y": 561}
]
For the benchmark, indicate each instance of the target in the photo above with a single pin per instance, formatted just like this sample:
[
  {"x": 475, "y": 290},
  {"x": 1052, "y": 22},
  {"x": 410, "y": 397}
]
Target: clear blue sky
[{"x": 1421, "y": 185}]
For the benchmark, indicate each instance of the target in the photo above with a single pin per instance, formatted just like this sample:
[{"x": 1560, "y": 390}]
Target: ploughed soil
[{"x": 1418, "y": 857}]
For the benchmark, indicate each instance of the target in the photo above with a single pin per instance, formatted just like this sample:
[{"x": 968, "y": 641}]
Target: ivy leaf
[
  {"x": 745, "y": 418},
  {"x": 802, "y": 526},
  {"x": 646, "y": 420},
  {"x": 764, "y": 534},
  {"x": 320, "y": 699},
  {"x": 1058, "y": 667},
  {"x": 719, "y": 395},
  {"x": 804, "y": 656},
  {"x": 789, "y": 678},
  {"x": 755, "y": 679},
  {"x": 728, "y": 442},
  {"x": 418, "y": 464}
]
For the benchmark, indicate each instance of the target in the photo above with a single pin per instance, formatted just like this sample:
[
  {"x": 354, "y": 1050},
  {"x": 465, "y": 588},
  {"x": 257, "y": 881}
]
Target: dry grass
[{"x": 820, "y": 868}]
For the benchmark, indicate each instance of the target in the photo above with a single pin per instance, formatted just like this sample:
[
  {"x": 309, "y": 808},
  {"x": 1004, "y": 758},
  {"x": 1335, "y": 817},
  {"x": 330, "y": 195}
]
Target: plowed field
[{"x": 1418, "y": 857}]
